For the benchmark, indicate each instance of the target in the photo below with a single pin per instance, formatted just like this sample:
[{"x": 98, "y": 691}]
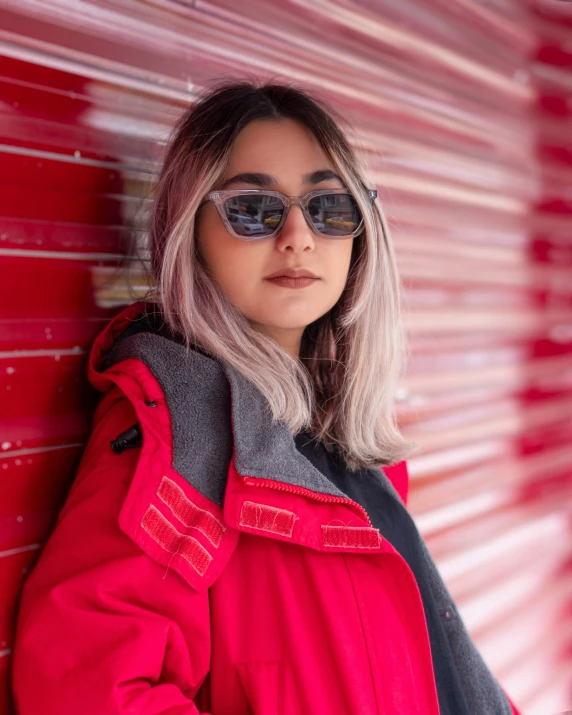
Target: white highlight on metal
[
  {"x": 459, "y": 511},
  {"x": 20, "y": 550},
  {"x": 57, "y": 156},
  {"x": 126, "y": 124},
  {"x": 38, "y": 450},
  {"x": 490, "y": 550},
  {"x": 66, "y": 255},
  {"x": 55, "y": 353}
]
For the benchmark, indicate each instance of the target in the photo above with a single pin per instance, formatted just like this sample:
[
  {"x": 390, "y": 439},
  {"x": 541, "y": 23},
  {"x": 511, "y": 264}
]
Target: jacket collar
[{"x": 213, "y": 407}]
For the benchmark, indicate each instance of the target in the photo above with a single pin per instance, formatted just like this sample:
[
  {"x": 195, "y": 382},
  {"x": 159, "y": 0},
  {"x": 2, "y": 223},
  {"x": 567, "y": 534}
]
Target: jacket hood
[{"x": 215, "y": 412}]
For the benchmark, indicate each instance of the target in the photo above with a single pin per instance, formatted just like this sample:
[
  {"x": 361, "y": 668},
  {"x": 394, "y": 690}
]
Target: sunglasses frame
[{"x": 219, "y": 198}]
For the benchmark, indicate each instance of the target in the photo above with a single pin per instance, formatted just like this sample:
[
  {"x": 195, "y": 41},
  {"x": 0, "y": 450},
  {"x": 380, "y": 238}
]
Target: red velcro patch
[
  {"x": 357, "y": 537},
  {"x": 189, "y": 513},
  {"x": 267, "y": 518},
  {"x": 164, "y": 533}
]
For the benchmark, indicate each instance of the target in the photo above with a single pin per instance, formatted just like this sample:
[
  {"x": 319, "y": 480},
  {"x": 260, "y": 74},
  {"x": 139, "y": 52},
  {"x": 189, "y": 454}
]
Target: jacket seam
[{"x": 365, "y": 633}]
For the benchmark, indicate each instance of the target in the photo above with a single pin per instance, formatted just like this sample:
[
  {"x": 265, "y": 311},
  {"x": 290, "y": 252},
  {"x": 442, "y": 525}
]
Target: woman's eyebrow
[{"x": 265, "y": 181}]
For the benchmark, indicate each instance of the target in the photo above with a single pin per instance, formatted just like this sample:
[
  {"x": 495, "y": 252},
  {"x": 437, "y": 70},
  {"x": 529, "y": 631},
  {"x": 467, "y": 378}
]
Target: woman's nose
[{"x": 295, "y": 230}]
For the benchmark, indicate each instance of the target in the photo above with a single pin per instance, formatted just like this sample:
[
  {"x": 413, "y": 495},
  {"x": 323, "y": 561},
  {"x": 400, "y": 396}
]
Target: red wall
[{"x": 463, "y": 115}]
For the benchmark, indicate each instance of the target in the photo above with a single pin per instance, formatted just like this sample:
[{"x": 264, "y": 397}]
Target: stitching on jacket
[
  {"x": 189, "y": 513},
  {"x": 362, "y": 537},
  {"x": 164, "y": 533},
  {"x": 267, "y": 518}
]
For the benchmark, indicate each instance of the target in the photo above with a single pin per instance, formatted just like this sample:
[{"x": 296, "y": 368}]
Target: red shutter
[{"x": 464, "y": 113}]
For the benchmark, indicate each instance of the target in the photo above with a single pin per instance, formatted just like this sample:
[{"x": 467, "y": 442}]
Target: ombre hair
[{"x": 343, "y": 385}]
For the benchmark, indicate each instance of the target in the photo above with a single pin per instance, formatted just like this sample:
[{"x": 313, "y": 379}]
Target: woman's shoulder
[
  {"x": 100, "y": 467},
  {"x": 137, "y": 493},
  {"x": 181, "y": 398}
]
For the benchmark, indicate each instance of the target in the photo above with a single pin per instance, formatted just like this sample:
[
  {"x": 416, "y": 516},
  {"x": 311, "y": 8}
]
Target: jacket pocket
[{"x": 263, "y": 682}]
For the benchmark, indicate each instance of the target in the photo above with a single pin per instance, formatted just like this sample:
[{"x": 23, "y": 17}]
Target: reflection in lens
[
  {"x": 254, "y": 215},
  {"x": 257, "y": 215},
  {"x": 335, "y": 214}
]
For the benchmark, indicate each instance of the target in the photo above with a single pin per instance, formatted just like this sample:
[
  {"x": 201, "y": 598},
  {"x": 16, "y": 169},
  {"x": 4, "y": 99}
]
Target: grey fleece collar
[{"x": 198, "y": 391}]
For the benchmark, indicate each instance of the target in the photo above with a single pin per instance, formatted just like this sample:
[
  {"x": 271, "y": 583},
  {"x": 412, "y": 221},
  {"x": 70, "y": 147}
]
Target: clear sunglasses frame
[{"x": 219, "y": 197}]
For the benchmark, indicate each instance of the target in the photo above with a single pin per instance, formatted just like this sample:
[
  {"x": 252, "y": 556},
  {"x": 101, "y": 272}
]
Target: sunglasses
[{"x": 254, "y": 214}]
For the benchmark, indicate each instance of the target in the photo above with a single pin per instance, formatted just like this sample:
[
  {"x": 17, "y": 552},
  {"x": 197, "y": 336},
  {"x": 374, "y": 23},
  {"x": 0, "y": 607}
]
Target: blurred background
[{"x": 463, "y": 110}]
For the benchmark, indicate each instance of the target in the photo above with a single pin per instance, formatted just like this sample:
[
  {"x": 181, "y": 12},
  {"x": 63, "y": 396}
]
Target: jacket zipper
[{"x": 280, "y": 486}]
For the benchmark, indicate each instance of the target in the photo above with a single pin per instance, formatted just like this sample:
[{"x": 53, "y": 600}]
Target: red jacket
[{"x": 214, "y": 569}]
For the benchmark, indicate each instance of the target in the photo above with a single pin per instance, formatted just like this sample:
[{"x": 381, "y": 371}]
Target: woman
[{"x": 235, "y": 540}]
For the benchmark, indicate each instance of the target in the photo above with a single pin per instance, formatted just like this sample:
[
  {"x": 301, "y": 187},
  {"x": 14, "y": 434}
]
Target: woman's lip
[
  {"x": 288, "y": 282},
  {"x": 292, "y": 274}
]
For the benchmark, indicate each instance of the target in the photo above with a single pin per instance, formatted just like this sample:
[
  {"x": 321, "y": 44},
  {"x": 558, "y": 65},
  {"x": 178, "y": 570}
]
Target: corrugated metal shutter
[{"x": 463, "y": 109}]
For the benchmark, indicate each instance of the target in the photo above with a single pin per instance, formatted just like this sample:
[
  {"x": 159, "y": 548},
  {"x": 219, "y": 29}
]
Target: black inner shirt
[{"x": 393, "y": 521}]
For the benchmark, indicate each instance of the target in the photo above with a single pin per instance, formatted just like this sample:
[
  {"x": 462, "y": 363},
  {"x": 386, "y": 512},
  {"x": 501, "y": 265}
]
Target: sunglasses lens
[
  {"x": 258, "y": 215},
  {"x": 335, "y": 214},
  {"x": 254, "y": 215}
]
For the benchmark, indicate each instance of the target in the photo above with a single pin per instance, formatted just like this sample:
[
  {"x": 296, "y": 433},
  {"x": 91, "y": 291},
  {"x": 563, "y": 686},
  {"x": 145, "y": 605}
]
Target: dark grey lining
[{"x": 482, "y": 691}]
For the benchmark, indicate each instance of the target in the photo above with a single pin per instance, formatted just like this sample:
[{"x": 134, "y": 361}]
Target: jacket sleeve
[{"x": 102, "y": 627}]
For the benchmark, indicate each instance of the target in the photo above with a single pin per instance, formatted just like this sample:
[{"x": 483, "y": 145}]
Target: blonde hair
[{"x": 342, "y": 387}]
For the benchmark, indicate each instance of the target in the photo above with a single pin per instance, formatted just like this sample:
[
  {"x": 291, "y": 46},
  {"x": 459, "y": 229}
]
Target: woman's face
[{"x": 287, "y": 152}]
